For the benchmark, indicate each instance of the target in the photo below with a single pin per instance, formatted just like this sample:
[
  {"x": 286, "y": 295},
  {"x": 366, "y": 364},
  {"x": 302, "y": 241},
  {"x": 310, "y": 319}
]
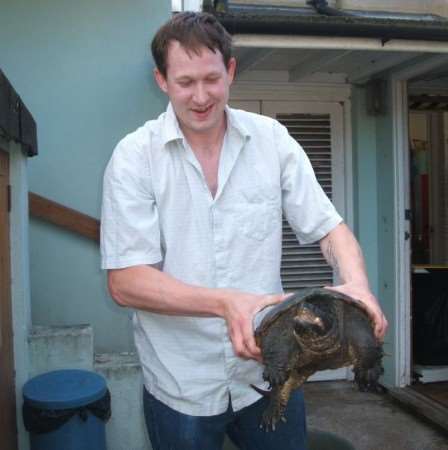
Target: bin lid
[{"x": 64, "y": 389}]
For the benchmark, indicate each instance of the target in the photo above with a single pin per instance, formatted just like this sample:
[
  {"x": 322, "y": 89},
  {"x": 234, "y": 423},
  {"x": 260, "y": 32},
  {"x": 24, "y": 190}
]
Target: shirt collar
[
  {"x": 234, "y": 123},
  {"x": 172, "y": 131}
]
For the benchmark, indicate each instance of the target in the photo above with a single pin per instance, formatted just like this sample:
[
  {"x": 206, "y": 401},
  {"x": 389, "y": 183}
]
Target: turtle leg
[
  {"x": 278, "y": 400},
  {"x": 365, "y": 351},
  {"x": 368, "y": 368},
  {"x": 279, "y": 350}
]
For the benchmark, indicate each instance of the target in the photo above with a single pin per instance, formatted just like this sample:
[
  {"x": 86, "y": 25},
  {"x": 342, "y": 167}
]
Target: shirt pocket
[{"x": 261, "y": 211}]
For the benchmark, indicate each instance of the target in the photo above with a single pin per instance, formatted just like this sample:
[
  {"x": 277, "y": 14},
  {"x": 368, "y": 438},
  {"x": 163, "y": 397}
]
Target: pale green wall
[
  {"x": 386, "y": 238},
  {"x": 365, "y": 183},
  {"x": 374, "y": 207},
  {"x": 84, "y": 71}
]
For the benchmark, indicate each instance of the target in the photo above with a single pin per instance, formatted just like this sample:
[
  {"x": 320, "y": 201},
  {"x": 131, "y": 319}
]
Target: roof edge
[
  {"x": 16, "y": 122},
  {"x": 298, "y": 21}
]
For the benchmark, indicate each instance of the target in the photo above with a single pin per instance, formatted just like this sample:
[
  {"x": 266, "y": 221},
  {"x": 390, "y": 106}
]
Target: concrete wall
[{"x": 84, "y": 70}]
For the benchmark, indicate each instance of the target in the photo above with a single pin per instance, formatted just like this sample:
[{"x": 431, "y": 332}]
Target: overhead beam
[
  {"x": 316, "y": 63},
  {"x": 429, "y": 98},
  {"x": 253, "y": 57},
  {"x": 337, "y": 43},
  {"x": 379, "y": 64},
  {"x": 419, "y": 65}
]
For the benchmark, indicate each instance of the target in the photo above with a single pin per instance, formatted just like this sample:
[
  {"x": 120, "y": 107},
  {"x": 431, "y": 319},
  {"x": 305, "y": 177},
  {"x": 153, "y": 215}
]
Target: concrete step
[
  {"x": 60, "y": 347},
  {"x": 126, "y": 428},
  {"x": 71, "y": 347}
]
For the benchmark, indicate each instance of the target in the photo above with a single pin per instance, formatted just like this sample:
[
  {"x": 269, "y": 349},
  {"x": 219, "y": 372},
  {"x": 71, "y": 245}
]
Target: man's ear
[
  {"x": 161, "y": 81},
  {"x": 231, "y": 68}
]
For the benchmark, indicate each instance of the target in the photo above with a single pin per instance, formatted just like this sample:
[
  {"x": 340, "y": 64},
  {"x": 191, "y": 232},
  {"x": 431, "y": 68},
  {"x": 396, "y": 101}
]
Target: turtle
[{"x": 315, "y": 329}]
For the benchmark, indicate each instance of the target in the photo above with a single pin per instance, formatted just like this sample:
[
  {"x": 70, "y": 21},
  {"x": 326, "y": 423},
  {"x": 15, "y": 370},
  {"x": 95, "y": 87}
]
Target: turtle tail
[{"x": 261, "y": 391}]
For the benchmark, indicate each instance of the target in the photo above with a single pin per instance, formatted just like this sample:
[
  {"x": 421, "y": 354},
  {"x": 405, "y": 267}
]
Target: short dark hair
[{"x": 193, "y": 31}]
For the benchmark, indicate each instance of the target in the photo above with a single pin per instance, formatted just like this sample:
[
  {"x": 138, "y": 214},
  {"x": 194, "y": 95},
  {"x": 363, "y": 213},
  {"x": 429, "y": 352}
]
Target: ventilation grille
[{"x": 304, "y": 265}]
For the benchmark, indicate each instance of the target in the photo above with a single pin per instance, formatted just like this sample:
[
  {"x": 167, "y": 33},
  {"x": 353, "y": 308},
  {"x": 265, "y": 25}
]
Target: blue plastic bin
[{"x": 66, "y": 410}]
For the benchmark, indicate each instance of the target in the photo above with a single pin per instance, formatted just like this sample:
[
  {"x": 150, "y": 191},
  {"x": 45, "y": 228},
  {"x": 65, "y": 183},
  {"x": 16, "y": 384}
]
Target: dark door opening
[{"x": 428, "y": 132}]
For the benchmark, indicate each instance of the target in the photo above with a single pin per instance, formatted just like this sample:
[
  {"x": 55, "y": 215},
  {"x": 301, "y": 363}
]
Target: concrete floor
[{"x": 369, "y": 421}]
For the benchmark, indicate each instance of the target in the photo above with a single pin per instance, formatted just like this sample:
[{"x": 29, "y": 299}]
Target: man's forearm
[
  {"x": 342, "y": 251},
  {"x": 147, "y": 288}
]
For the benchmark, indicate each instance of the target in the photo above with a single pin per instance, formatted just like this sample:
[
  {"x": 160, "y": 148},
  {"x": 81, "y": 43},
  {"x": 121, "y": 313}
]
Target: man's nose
[{"x": 200, "y": 94}]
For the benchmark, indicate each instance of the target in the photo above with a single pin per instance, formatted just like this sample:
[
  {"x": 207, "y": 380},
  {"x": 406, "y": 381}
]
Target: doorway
[
  {"x": 8, "y": 429},
  {"x": 428, "y": 156}
]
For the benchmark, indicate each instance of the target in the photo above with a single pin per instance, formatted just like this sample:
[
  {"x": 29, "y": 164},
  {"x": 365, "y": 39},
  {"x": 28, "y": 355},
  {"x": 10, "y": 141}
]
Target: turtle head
[{"x": 311, "y": 321}]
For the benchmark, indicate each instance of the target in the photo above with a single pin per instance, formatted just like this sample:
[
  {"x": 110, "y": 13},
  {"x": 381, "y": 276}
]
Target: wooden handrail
[{"x": 67, "y": 218}]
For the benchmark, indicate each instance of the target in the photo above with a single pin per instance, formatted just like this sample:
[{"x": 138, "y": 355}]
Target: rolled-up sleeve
[
  {"x": 130, "y": 233},
  {"x": 305, "y": 205}
]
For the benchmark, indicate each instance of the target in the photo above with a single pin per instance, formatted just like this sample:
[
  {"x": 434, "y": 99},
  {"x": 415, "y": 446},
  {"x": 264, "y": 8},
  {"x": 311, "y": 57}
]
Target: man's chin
[{"x": 201, "y": 126}]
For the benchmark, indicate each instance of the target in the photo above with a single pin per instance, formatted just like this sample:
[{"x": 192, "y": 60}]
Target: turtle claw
[{"x": 270, "y": 417}]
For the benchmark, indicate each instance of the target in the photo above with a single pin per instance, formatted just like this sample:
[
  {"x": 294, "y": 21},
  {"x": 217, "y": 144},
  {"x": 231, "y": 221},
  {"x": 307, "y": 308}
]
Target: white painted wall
[
  {"x": 186, "y": 5},
  {"x": 409, "y": 6}
]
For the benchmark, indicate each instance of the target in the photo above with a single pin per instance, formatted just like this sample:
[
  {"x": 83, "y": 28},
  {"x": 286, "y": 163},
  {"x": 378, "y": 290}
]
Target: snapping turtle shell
[{"x": 315, "y": 329}]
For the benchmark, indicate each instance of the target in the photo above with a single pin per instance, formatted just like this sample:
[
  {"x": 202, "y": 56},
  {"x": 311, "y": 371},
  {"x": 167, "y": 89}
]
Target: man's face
[{"x": 198, "y": 87}]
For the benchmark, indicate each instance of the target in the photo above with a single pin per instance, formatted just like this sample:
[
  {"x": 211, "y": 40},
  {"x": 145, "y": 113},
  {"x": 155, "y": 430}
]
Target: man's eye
[{"x": 185, "y": 83}]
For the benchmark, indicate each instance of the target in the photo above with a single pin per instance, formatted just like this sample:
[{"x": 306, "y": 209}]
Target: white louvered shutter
[
  {"x": 318, "y": 127},
  {"x": 304, "y": 265}
]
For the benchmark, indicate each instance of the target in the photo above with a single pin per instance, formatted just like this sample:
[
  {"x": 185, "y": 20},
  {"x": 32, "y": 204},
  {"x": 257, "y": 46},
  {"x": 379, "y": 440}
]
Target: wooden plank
[
  {"x": 8, "y": 427},
  {"x": 62, "y": 216},
  {"x": 422, "y": 405},
  {"x": 436, "y": 391}
]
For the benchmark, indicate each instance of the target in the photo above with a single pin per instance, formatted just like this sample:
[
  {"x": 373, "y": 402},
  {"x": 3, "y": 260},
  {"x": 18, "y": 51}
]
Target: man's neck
[{"x": 207, "y": 142}]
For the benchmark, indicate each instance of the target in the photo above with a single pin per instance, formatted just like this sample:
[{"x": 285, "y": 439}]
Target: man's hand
[
  {"x": 363, "y": 294},
  {"x": 343, "y": 253},
  {"x": 239, "y": 311}
]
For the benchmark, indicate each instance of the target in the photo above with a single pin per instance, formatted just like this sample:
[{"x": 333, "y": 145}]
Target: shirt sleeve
[
  {"x": 130, "y": 233},
  {"x": 305, "y": 205}
]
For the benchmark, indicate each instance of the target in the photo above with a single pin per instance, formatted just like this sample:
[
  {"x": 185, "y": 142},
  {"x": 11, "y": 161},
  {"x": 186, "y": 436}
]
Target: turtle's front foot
[
  {"x": 272, "y": 415},
  {"x": 275, "y": 376}
]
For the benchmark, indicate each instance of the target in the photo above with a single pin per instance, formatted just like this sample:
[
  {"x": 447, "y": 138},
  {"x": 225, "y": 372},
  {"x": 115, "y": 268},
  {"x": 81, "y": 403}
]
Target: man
[{"x": 191, "y": 236}]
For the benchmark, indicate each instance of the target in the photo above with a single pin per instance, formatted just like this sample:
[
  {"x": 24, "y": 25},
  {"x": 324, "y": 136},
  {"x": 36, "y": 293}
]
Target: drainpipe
[
  {"x": 321, "y": 6},
  {"x": 215, "y": 6}
]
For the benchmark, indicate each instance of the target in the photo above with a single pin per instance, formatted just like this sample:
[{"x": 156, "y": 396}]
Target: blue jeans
[{"x": 172, "y": 430}]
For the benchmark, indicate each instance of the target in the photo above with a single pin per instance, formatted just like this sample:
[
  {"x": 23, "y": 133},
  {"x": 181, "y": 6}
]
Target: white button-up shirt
[{"x": 157, "y": 208}]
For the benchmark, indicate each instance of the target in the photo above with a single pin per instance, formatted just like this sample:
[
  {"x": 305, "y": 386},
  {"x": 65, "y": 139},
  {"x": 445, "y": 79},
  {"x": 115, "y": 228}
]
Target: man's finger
[
  {"x": 237, "y": 342},
  {"x": 249, "y": 340}
]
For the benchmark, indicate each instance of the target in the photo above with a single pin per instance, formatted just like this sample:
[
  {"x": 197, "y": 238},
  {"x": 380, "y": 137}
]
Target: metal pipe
[
  {"x": 343, "y": 43},
  {"x": 284, "y": 21},
  {"x": 302, "y": 21}
]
